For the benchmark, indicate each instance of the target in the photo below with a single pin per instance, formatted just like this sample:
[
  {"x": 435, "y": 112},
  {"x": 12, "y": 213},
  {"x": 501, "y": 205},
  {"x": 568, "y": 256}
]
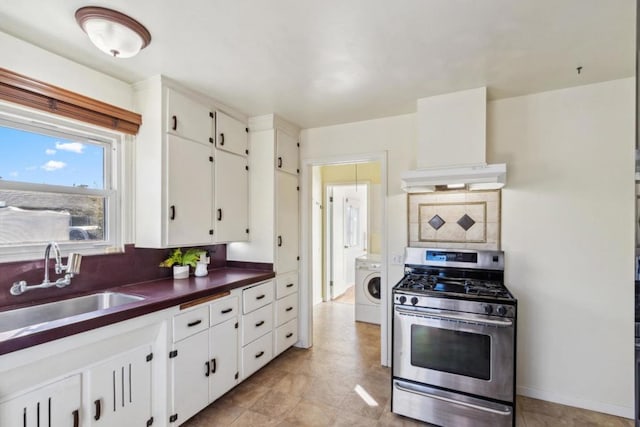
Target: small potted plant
[{"x": 181, "y": 261}]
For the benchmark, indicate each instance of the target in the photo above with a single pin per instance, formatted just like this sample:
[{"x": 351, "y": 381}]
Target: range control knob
[
  {"x": 502, "y": 310},
  {"x": 414, "y": 300},
  {"x": 402, "y": 299},
  {"x": 488, "y": 309}
]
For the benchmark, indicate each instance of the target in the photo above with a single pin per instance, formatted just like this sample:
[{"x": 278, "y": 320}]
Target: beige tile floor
[{"x": 315, "y": 387}]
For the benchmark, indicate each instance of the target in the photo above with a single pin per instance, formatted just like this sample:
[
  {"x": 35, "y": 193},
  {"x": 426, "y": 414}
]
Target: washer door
[{"x": 372, "y": 288}]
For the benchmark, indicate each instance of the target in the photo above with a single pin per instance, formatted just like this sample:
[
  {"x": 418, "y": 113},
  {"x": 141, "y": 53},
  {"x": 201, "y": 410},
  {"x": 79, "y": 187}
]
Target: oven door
[{"x": 458, "y": 351}]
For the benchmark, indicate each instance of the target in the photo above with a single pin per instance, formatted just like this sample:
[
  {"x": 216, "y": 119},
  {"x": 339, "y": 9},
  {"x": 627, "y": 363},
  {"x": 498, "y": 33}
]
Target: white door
[
  {"x": 231, "y": 134},
  {"x": 231, "y": 198},
  {"x": 190, "y": 189},
  {"x": 190, "y": 371},
  {"x": 286, "y": 222},
  {"x": 188, "y": 118},
  {"x": 56, "y": 404},
  {"x": 286, "y": 152},
  {"x": 223, "y": 340},
  {"x": 120, "y": 390}
]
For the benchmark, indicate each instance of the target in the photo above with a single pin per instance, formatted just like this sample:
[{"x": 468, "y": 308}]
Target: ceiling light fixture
[{"x": 112, "y": 32}]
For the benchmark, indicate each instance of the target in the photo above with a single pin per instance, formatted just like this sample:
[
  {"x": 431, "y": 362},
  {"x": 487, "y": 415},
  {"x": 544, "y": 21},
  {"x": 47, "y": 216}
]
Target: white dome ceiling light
[{"x": 112, "y": 32}]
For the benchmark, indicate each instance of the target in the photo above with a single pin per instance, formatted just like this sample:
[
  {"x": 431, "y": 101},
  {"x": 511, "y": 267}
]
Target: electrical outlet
[{"x": 396, "y": 259}]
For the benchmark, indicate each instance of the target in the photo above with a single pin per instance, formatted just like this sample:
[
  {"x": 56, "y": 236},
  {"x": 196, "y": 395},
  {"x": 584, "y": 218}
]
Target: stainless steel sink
[{"x": 43, "y": 313}]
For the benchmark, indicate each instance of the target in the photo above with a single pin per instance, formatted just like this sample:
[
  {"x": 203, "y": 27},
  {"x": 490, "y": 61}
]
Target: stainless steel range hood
[{"x": 451, "y": 152}]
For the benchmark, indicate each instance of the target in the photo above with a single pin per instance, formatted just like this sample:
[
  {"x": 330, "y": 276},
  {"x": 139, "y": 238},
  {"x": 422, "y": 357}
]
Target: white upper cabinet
[
  {"x": 231, "y": 223},
  {"x": 187, "y": 118},
  {"x": 190, "y": 185},
  {"x": 286, "y": 152},
  {"x": 286, "y": 223},
  {"x": 231, "y": 134}
]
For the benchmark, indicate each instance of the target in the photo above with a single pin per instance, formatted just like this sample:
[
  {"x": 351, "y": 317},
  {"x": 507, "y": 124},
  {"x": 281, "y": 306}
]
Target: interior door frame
[
  {"x": 306, "y": 273},
  {"x": 328, "y": 231}
]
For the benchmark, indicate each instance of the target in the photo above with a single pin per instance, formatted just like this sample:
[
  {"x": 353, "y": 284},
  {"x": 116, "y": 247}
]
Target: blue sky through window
[{"x": 43, "y": 159}]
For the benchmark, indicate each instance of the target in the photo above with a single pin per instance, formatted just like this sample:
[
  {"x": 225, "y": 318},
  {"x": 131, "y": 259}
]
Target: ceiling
[{"x": 334, "y": 61}]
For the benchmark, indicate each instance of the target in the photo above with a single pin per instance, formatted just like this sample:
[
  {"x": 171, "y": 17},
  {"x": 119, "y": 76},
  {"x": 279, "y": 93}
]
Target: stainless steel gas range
[{"x": 454, "y": 339}]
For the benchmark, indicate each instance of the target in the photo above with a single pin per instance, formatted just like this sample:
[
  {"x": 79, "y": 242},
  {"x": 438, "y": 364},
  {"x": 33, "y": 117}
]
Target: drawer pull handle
[
  {"x": 98, "y": 410},
  {"x": 175, "y": 122},
  {"x": 222, "y": 139},
  {"x": 226, "y": 310},
  {"x": 279, "y": 241},
  {"x": 76, "y": 418},
  {"x": 259, "y": 355},
  {"x": 260, "y": 296},
  {"x": 289, "y": 309},
  {"x": 260, "y": 323},
  {"x": 289, "y": 335},
  {"x": 172, "y": 212},
  {"x": 290, "y": 285},
  {"x": 207, "y": 368},
  {"x": 279, "y": 162},
  {"x": 213, "y": 366},
  {"x": 194, "y": 323}
]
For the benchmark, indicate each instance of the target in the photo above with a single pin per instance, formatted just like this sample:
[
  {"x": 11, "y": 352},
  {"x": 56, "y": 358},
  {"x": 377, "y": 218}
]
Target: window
[{"x": 58, "y": 181}]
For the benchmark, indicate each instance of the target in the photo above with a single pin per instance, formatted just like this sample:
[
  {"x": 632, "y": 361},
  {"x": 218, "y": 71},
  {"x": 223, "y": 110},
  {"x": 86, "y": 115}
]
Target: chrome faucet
[{"x": 72, "y": 268}]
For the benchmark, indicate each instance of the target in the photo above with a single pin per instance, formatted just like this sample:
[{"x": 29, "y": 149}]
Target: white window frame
[{"x": 114, "y": 163}]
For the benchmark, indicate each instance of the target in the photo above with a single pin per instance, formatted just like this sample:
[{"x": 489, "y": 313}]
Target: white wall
[
  {"x": 32, "y": 61},
  {"x": 568, "y": 224},
  {"x": 568, "y": 236}
]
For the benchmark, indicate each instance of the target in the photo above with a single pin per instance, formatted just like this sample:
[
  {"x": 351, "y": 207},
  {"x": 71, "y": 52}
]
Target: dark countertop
[{"x": 159, "y": 295}]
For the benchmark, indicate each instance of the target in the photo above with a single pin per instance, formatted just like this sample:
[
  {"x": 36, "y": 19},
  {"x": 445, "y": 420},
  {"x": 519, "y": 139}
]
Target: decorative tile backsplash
[{"x": 455, "y": 219}]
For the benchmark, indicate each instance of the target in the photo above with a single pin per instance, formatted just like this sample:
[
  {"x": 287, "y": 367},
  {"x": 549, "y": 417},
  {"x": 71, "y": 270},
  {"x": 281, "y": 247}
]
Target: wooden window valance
[{"x": 33, "y": 93}]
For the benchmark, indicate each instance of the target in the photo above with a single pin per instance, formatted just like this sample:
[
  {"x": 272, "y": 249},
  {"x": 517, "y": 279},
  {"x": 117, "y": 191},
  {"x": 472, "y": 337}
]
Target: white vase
[
  {"x": 201, "y": 269},
  {"x": 180, "y": 271}
]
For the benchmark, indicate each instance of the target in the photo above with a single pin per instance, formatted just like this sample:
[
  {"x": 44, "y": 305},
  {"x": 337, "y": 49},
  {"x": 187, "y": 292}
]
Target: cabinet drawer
[
  {"x": 224, "y": 309},
  {"x": 286, "y": 284},
  {"x": 286, "y": 336},
  {"x": 257, "y": 323},
  {"x": 257, "y": 296},
  {"x": 286, "y": 309},
  {"x": 191, "y": 322},
  {"x": 257, "y": 354}
]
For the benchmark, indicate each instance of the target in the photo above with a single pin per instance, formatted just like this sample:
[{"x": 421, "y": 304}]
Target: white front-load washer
[{"x": 368, "y": 288}]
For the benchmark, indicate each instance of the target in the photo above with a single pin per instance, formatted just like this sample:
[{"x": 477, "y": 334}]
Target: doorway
[{"x": 346, "y": 230}]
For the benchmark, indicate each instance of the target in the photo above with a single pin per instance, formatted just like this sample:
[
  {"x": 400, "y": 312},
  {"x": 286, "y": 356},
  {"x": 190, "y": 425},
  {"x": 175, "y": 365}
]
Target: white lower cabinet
[
  {"x": 285, "y": 336},
  {"x": 120, "y": 389},
  {"x": 204, "y": 363},
  {"x": 257, "y": 354},
  {"x": 54, "y": 404}
]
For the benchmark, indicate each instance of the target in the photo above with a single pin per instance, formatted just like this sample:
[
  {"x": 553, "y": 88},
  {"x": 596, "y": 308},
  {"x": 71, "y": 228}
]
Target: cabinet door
[
  {"x": 120, "y": 390},
  {"x": 287, "y": 222},
  {"x": 188, "y": 118},
  {"x": 231, "y": 134},
  {"x": 231, "y": 198},
  {"x": 286, "y": 152},
  {"x": 190, "y": 370},
  {"x": 56, "y": 404},
  {"x": 190, "y": 190},
  {"x": 223, "y": 343}
]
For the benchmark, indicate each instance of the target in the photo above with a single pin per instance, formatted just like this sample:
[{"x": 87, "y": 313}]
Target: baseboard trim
[{"x": 620, "y": 411}]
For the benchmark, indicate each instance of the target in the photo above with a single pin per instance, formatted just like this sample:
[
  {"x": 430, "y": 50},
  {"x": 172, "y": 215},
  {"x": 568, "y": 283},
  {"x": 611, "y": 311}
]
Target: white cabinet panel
[
  {"x": 189, "y": 192},
  {"x": 286, "y": 152},
  {"x": 223, "y": 310},
  {"x": 286, "y": 284},
  {"x": 257, "y": 354},
  {"x": 56, "y": 404},
  {"x": 286, "y": 309},
  {"x": 231, "y": 198},
  {"x": 257, "y": 296},
  {"x": 286, "y": 222},
  {"x": 286, "y": 336},
  {"x": 231, "y": 134},
  {"x": 187, "y": 118},
  {"x": 223, "y": 342},
  {"x": 257, "y": 323},
  {"x": 190, "y": 370},
  {"x": 120, "y": 389}
]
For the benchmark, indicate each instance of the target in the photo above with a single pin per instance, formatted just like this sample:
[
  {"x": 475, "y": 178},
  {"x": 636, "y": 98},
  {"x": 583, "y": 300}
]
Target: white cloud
[
  {"x": 53, "y": 165},
  {"x": 13, "y": 174},
  {"x": 74, "y": 147},
  {"x": 50, "y": 151}
]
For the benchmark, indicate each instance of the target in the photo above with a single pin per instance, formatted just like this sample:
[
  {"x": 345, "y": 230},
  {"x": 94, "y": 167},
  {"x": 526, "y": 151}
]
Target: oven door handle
[
  {"x": 449, "y": 400},
  {"x": 453, "y": 317}
]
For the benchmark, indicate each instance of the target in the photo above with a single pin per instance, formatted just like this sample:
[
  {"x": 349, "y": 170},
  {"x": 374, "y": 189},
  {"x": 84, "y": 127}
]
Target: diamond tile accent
[
  {"x": 466, "y": 222},
  {"x": 436, "y": 222}
]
